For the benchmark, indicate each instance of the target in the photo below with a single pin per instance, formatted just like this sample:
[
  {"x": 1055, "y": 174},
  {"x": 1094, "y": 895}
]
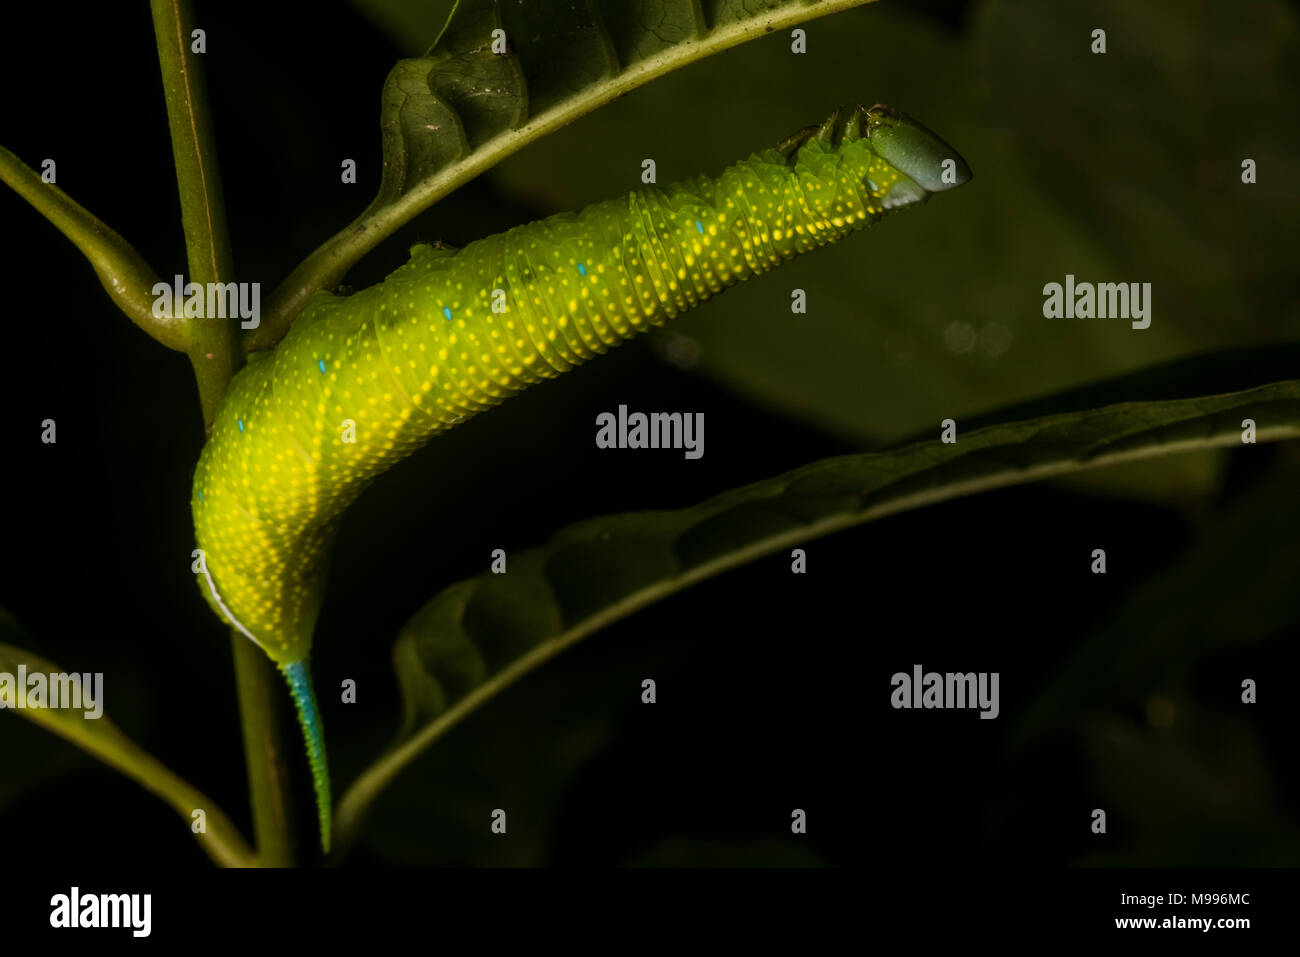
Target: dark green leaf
[
  {"x": 478, "y": 636},
  {"x": 462, "y": 94}
]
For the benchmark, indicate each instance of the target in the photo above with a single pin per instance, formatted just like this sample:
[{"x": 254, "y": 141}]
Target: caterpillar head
[{"x": 929, "y": 163}]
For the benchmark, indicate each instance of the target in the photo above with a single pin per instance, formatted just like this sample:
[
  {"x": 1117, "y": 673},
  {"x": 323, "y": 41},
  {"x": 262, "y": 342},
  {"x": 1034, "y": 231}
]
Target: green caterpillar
[{"x": 452, "y": 333}]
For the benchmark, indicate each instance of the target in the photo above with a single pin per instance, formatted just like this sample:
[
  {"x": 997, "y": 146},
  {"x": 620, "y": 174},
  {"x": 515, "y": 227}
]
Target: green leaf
[
  {"x": 1142, "y": 146},
  {"x": 462, "y": 108},
  {"x": 102, "y": 738},
  {"x": 478, "y": 636}
]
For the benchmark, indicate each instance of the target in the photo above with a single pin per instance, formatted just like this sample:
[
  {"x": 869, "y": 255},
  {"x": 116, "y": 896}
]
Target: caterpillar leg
[{"x": 298, "y": 675}]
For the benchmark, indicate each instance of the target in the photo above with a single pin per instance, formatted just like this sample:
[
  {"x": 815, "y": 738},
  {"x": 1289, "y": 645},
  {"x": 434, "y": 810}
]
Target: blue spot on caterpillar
[
  {"x": 266, "y": 507},
  {"x": 582, "y": 269}
]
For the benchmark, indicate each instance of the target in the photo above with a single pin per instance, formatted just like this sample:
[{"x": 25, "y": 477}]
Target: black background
[{"x": 773, "y": 688}]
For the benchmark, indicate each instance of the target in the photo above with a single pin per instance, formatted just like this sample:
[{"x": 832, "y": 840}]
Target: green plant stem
[
  {"x": 215, "y": 361},
  {"x": 221, "y": 840},
  {"x": 328, "y": 264},
  {"x": 128, "y": 279},
  {"x": 259, "y": 693},
  {"x": 203, "y": 209}
]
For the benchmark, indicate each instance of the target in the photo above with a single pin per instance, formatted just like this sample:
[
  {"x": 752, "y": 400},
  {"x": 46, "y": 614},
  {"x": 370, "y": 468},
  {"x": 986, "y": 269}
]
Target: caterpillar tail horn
[{"x": 297, "y": 674}]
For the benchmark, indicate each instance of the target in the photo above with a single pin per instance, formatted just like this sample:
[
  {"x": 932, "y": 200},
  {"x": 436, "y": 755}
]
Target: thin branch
[
  {"x": 259, "y": 686},
  {"x": 215, "y": 361},
  {"x": 203, "y": 209},
  {"x": 222, "y": 841},
  {"x": 128, "y": 279},
  {"x": 100, "y": 737}
]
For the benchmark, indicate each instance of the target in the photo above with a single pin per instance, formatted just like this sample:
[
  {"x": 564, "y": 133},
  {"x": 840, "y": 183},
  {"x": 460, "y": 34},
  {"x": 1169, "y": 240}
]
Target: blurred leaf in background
[
  {"x": 1142, "y": 147},
  {"x": 1190, "y": 775},
  {"x": 1198, "y": 793},
  {"x": 1189, "y": 787},
  {"x": 1234, "y": 587},
  {"x": 939, "y": 313}
]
